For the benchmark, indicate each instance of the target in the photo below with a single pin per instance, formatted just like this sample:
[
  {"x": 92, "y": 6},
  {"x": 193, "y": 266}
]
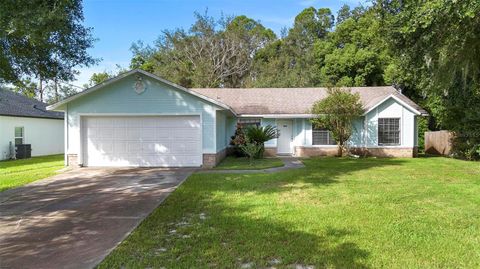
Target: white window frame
[
  {"x": 250, "y": 121},
  {"x": 15, "y": 137},
  {"x": 399, "y": 132},
  {"x": 329, "y": 137}
]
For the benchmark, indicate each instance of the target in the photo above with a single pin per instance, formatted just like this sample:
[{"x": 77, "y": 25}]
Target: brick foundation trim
[
  {"x": 270, "y": 152},
  {"x": 211, "y": 160},
  {"x": 301, "y": 151},
  {"x": 386, "y": 152}
]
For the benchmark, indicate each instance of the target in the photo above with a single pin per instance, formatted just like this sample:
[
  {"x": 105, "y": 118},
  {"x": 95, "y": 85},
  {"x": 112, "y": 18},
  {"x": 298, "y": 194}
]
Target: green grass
[
  {"x": 20, "y": 172},
  {"x": 335, "y": 213},
  {"x": 242, "y": 163}
]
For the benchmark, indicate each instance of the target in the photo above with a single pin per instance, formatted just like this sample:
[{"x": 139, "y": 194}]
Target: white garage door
[{"x": 166, "y": 141}]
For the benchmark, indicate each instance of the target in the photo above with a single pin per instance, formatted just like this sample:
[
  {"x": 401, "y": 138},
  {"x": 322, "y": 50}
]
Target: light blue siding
[
  {"x": 391, "y": 109},
  {"x": 221, "y": 126},
  {"x": 158, "y": 98},
  {"x": 231, "y": 127},
  {"x": 272, "y": 122}
]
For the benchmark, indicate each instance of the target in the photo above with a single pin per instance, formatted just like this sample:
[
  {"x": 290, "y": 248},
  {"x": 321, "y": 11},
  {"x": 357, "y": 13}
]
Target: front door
[{"x": 286, "y": 136}]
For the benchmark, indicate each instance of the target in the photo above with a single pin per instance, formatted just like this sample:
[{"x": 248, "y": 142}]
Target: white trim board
[{"x": 416, "y": 112}]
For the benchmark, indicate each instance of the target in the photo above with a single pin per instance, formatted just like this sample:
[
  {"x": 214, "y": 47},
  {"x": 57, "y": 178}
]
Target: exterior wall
[
  {"x": 270, "y": 143},
  {"x": 45, "y": 135},
  {"x": 221, "y": 131},
  {"x": 391, "y": 109},
  {"x": 364, "y": 139},
  {"x": 119, "y": 98},
  {"x": 212, "y": 159}
]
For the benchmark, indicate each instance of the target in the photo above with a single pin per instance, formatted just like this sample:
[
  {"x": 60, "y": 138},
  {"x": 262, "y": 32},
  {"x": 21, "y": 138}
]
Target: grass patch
[
  {"x": 242, "y": 163},
  {"x": 20, "y": 172},
  {"x": 334, "y": 213}
]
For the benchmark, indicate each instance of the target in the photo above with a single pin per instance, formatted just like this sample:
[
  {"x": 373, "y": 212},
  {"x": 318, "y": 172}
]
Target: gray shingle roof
[
  {"x": 293, "y": 100},
  {"x": 13, "y": 104}
]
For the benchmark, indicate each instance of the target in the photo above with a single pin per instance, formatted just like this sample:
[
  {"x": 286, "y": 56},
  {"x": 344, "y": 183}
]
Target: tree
[
  {"x": 98, "y": 78},
  {"x": 289, "y": 62},
  {"x": 336, "y": 113},
  {"x": 436, "y": 45},
  {"x": 355, "y": 54},
  {"x": 44, "y": 40},
  {"x": 212, "y": 53}
]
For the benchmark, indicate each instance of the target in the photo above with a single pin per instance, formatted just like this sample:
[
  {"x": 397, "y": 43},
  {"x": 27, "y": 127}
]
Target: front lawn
[
  {"x": 334, "y": 213},
  {"x": 20, "y": 172},
  {"x": 242, "y": 163}
]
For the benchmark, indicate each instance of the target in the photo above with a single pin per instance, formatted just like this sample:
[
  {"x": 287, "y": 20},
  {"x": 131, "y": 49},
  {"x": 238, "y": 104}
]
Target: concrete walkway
[
  {"x": 289, "y": 163},
  {"x": 75, "y": 219}
]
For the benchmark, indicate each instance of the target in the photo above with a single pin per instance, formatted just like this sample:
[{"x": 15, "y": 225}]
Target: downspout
[{"x": 65, "y": 139}]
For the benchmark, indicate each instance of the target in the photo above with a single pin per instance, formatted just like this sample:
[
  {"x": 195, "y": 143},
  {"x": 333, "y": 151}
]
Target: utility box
[{"x": 23, "y": 151}]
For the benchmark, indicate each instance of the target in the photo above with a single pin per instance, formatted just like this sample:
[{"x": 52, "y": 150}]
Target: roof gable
[
  {"x": 59, "y": 105},
  {"x": 17, "y": 105}
]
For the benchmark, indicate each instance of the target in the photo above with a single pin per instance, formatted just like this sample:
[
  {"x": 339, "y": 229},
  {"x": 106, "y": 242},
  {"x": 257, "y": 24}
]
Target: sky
[{"x": 118, "y": 23}]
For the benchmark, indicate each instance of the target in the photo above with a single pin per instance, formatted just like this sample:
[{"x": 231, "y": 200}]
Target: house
[
  {"x": 26, "y": 121},
  {"x": 140, "y": 119}
]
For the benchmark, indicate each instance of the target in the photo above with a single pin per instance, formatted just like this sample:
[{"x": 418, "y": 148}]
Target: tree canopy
[
  {"x": 336, "y": 113},
  {"x": 43, "y": 41}
]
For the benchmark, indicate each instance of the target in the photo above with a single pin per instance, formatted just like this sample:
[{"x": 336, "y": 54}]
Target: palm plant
[{"x": 259, "y": 135}]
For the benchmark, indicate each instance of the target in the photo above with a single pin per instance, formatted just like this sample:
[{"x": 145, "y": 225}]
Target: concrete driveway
[{"x": 75, "y": 219}]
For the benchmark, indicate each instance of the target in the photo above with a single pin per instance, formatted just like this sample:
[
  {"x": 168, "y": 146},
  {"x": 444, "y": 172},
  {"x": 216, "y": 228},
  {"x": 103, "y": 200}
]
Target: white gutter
[{"x": 277, "y": 116}]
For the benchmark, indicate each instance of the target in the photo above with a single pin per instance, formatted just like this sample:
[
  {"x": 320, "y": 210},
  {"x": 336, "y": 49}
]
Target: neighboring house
[
  {"x": 139, "y": 119},
  {"x": 27, "y": 121}
]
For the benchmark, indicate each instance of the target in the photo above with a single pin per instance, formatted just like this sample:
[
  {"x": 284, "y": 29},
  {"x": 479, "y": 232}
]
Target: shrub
[
  {"x": 258, "y": 135},
  {"x": 251, "y": 150},
  {"x": 237, "y": 140}
]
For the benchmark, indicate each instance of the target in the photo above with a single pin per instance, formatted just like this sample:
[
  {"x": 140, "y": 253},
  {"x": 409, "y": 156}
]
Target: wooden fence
[{"x": 438, "y": 142}]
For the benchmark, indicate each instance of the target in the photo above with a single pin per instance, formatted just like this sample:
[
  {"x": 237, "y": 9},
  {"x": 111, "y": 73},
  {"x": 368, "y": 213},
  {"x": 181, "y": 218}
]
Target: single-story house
[
  {"x": 140, "y": 119},
  {"x": 27, "y": 121}
]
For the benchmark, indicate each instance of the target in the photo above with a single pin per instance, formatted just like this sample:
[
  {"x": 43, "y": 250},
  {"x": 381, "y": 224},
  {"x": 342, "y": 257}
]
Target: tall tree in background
[
  {"x": 42, "y": 40},
  {"x": 355, "y": 54},
  {"x": 212, "y": 53},
  {"x": 289, "y": 62},
  {"x": 436, "y": 44}
]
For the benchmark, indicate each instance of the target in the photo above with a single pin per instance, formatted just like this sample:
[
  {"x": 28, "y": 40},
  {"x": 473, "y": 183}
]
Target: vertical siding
[
  {"x": 302, "y": 128},
  {"x": 230, "y": 129},
  {"x": 221, "y": 128},
  {"x": 272, "y": 122},
  {"x": 158, "y": 98},
  {"x": 391, "y": 109}
]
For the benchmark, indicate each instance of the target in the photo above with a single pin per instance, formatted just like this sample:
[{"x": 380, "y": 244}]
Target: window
[
  {"x": 388, "y": 131},
  {"x": 322, "y": 137},
  {"x": 19, "y": 135},
  {"x": 249, "y": 122}
]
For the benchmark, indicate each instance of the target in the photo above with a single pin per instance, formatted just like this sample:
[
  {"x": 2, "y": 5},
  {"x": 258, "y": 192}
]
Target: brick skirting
[
  {"x": 386, "y": 152},
  {"x": 315, "y": 151},
  {"x": 211, "y": 160},
  {"x": 270, "y": 152},
  {"x": 301, "y": 151}
]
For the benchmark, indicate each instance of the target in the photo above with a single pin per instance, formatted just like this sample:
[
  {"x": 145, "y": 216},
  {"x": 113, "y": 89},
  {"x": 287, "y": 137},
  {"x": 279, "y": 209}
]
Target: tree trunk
[
  {"x": 40, "y": 89},
  {"x": 56, "y": 89},
  {"x": 340, "y": 149}
]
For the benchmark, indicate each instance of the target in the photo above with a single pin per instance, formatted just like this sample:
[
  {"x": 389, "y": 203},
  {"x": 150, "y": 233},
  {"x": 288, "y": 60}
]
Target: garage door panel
[{"x": 142, "y": 141}]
